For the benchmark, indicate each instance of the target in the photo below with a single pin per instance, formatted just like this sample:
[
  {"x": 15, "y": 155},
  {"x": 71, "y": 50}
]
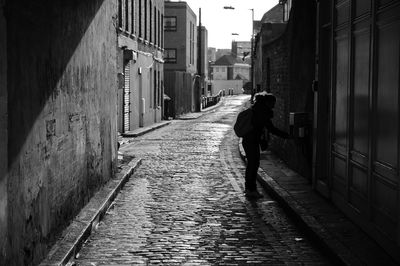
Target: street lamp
[{"x": 251, "y": 55}]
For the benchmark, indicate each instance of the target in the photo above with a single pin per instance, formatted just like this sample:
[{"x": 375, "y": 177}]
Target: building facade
[
  {"x": 180, "y": 56},
  {"x": 140, "y": 63},
  {"x": 228, "y": 67},
  {"x": 229, "y": 74},
  {"x": 356, "y": 120},
  {"x": 180, "y": 26},
  {"x": 212, "y": 54},
  {"x": 58, "y": 115},
  {"x": 241, "y": 49}
]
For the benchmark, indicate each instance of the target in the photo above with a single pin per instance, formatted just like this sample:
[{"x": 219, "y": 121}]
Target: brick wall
[
  {"x": 62, "y": 84},
  {"x": 291, "y": 59}
]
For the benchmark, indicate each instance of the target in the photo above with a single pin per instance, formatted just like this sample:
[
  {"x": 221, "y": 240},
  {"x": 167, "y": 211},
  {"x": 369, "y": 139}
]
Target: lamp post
[{"x": 252, "y": 55}]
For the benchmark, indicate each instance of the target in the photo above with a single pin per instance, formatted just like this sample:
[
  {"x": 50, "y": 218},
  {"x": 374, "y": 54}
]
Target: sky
[{"x": 221, "y": 23}]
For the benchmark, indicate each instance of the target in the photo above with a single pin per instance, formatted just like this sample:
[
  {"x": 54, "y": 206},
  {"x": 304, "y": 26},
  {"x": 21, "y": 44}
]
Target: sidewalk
[
  {"x": 326, "y": 224},
  {"x": 77, "y": 232}
]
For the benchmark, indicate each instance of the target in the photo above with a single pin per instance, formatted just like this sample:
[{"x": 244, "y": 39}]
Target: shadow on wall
[
  {"x": 52, "y": 61},
  {"x": 42, "y": 37}
]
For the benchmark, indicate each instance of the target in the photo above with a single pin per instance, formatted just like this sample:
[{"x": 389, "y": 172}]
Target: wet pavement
[{"x": 185, "y": 205}]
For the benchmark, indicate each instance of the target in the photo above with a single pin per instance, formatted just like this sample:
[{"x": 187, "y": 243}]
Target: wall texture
[
  {"x": 3, "y": 133},
  {"x": 62, "y": 84},
  {"x": 180, "y": 87},
  {"x": 290, "y": 75}
]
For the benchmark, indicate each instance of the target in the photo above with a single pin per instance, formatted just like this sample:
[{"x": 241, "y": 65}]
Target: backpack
[{"x": 243, "y": 124}]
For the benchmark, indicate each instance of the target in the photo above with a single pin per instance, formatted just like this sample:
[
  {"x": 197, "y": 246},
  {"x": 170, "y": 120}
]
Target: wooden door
[{"x": 364, "y": 115}]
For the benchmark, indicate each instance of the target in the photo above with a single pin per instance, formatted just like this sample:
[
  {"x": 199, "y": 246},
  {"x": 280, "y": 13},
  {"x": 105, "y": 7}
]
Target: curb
[
  {"x": 334, "y": 248},
  {"x": 75, "y": 235},
  {"x": 140, "y": 132},
  {"x": 191, "y": 116}
]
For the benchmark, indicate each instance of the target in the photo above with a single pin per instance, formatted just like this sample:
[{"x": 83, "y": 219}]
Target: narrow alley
[{"x": 185, "y": 204}]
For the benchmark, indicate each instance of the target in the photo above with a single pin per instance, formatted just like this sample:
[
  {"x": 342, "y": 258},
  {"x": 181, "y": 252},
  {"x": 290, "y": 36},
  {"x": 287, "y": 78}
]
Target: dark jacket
[{"x": 261, "y": 120}]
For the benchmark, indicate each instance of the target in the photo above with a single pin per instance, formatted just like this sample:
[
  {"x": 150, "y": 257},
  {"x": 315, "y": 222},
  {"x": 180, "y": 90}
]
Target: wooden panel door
[
  {"x": 364, "y": 114},
  {"x": 385, "y": 175}
]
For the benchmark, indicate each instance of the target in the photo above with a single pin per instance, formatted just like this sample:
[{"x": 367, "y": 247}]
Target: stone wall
[{"x": 62, "y": 83}]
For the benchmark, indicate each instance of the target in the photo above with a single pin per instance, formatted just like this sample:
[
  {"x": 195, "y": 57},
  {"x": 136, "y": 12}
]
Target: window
[
  {"x": 162, "y": 31},
  {"x": 133, "y": 16},
  {"x": 155, "y": 25},
  {"x": 140, "y": 19},
  {"x": 159, "y": 29},
  {"x": 145, "y": 19},
  {"x": 159, "y": 89},
  {"x": 170, "y": 55},
  {"x": 155, "y": 88},
  {"x": 120, "y": 14},
  {"x": 126, "y": 15},
  {"x": 170, "y": 23},
  {"x": 151, "y": 22},
  {"x": 190, "y": 40}
]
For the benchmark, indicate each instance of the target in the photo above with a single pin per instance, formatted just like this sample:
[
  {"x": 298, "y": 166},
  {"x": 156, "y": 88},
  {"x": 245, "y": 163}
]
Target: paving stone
[{"x": 185, "y": 205}]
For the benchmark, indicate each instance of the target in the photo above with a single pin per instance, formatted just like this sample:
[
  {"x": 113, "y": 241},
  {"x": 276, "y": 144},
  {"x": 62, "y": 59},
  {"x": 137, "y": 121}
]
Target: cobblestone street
[{"x": 185, "y": 205}]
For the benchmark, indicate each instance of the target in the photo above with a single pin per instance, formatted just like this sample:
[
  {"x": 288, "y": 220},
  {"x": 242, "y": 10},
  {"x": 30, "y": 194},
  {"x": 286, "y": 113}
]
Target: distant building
[
  {"x": 221, "y": 52},
  {"x": 180, "y": 57},
  {"x": 229, "y": 75},
  {"x": 241, "y": 50},
  {"x": 212, "y": 54},
  {"x": 180, "y": 52}
]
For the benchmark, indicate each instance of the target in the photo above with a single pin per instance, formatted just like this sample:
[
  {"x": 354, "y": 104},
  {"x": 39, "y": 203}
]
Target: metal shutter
[{"x": 127, "y": 94}]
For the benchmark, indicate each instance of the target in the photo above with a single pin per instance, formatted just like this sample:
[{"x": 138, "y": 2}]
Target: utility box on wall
[{"x": 299, "y": 123}]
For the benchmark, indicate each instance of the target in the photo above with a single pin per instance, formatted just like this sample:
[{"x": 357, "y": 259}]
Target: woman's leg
[{"x": 252, "y": 151}]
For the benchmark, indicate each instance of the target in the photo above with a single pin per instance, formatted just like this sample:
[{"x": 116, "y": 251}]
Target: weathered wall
[
  {"x": 3, "y": 134},
  {"x": 62, "y": 84},
  {"x": 179, "y": 86},
  {"x": 277, "y": 54},
  {"x": 291, "y": 74}
]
